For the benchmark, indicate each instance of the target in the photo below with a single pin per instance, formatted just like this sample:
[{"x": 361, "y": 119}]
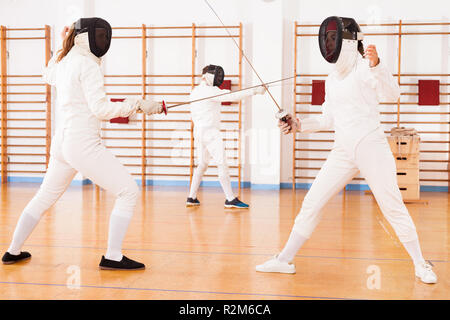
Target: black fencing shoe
[
  {"x": 10, "y": 258},
  {"x": 236, "y": 203},
  {"x": 124, "y": 264},
  {"x": 192, "y": 202}
]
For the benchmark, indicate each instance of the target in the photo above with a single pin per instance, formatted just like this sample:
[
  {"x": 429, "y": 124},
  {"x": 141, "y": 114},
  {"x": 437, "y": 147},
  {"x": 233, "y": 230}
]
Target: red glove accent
[
  {"x": 118, "y": 119},
  {"x": 164, "y": 107}
]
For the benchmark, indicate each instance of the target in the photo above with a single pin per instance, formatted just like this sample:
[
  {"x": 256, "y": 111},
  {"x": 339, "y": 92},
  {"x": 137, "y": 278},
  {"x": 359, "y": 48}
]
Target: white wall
[{"x": 268, "y": 43}]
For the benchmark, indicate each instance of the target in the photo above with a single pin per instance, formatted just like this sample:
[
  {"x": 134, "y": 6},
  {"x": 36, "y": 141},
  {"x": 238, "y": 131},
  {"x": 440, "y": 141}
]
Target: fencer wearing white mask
[
  {"x": 206, "y": 117},
  {"x": 353, "y": 91},
  {"x": 77, "y": 147}
]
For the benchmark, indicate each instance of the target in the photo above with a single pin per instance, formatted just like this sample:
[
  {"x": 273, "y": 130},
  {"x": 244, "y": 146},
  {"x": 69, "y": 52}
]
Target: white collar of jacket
[
  {"x": 209, "y": 79},
  {"x": 204, "y": 83},
  {"x": 347, "y": 58},
  {"x": 81, "y": 46}
]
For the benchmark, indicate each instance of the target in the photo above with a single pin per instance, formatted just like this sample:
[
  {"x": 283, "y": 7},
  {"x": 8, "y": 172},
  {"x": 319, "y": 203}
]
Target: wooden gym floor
[{"x": 210, "y": 252}]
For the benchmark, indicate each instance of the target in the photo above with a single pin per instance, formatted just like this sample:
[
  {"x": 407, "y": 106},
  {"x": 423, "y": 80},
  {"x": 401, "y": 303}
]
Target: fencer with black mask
[
  {"x": 77, "y": 146},
  {"x": 352, "y": 94},
  {"x": 208, "y": 138}
]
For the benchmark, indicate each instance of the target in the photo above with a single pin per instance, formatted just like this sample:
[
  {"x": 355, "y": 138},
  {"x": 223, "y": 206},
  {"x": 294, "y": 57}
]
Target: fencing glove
[{"x": 150, "y": 107}]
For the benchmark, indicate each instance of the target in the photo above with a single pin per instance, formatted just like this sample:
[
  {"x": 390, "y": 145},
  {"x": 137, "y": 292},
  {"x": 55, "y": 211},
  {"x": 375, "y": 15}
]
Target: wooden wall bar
[
  {"x": 3, "y": 55},
  {"x": 14, "y": 152}
]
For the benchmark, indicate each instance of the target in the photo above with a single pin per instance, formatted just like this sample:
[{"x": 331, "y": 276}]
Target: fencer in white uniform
[
  {"x": 77, "y": 145},
  {"x": 352, "y": 93},
  {"x": 206, "y": 117}
]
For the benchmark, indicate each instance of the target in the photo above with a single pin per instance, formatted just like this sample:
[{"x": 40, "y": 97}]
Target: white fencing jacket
[
  {"x": 351, "y": 104},
  {"x": 206, "y": 113},
  {"x": 80, "y": 90}
]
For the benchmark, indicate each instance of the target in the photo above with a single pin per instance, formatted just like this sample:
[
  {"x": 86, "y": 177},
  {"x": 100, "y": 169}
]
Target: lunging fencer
[
  {"x": 77, "y": 147},
  {"x": 352, "y": 93},
  {"x": 206, "y": 117}
]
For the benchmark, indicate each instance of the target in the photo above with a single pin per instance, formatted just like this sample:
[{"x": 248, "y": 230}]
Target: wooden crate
[
  {"x": 406, "y": 152},
  {"x": 404, "y": 145},
  {"x": 410, "y": 191},
  {"x": 408, "y": 176},
  {"x": 406, "y": 161},
  {"x": 409, "y": 184}
]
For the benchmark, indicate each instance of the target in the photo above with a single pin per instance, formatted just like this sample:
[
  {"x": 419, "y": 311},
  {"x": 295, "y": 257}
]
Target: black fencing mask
[
  {"x": 217, "y": 72},
  {"x": 333, "y": 32},
  {"x": 99, "y": 33}
]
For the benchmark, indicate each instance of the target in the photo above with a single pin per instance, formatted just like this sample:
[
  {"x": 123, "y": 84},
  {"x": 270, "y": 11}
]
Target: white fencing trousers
[
  {"x": 78, "y": 151},
  {"x": 374, "y": 160},
  {"x": 210, "y": 144}
]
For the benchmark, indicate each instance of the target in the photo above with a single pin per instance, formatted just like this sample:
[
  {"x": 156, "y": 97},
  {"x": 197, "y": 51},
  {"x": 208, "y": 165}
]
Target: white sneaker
[
  {"x": 425, "y": 273},
  {"x": 275, "y": 265}
]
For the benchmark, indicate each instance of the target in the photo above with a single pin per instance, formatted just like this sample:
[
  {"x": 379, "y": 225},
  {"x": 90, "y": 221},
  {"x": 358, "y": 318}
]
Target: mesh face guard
[
  {"x": 218, "y": 73},
  {"x": 99, "y": 33},
  {"x": 331, "y": 33}
]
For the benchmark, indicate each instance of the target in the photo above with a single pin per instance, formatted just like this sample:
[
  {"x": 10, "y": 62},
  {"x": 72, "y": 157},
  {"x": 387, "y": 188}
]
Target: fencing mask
[
  {"x": 99, "y": 33},
  {"x": 340, "y": 39},
  {"x": 214, "y": 75}
]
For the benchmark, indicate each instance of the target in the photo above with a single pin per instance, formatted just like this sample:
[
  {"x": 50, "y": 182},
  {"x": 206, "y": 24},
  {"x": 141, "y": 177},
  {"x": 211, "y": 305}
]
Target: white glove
[
  {"x": 150, "y": 107},
  {"x": 259, "y": 90}
]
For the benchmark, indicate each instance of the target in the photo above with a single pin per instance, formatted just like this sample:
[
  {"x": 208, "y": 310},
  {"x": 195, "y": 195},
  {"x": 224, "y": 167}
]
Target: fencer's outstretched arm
[
  {"x": 386, "y": 85},
  {"x": 322, "y": 122},
  {"x": 314, "y": 124},
  {"x": 93, "y": 86},
  {"x": 238, "y": 95}
]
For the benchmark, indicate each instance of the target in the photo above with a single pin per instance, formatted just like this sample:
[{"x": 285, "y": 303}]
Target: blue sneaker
[
  {"x": 192, "y": 202},
  {"x": 236, "y": 203}
]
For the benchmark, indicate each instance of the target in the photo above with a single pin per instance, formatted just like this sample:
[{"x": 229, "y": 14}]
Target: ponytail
[{"x": 68, "y": 43}]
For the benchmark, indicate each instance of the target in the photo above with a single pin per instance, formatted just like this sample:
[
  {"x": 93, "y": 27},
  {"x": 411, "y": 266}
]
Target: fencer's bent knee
[
  {"x": 42, "y": 201},
  {"x": 223, "y": 169},
  {"x": 129, "y": 193},
  {"x": 310, "y": 207},
  {"x": 307, "y": 218},
  {"x": 202, "y": 166},
  {"x": 127, "y": 199}
]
